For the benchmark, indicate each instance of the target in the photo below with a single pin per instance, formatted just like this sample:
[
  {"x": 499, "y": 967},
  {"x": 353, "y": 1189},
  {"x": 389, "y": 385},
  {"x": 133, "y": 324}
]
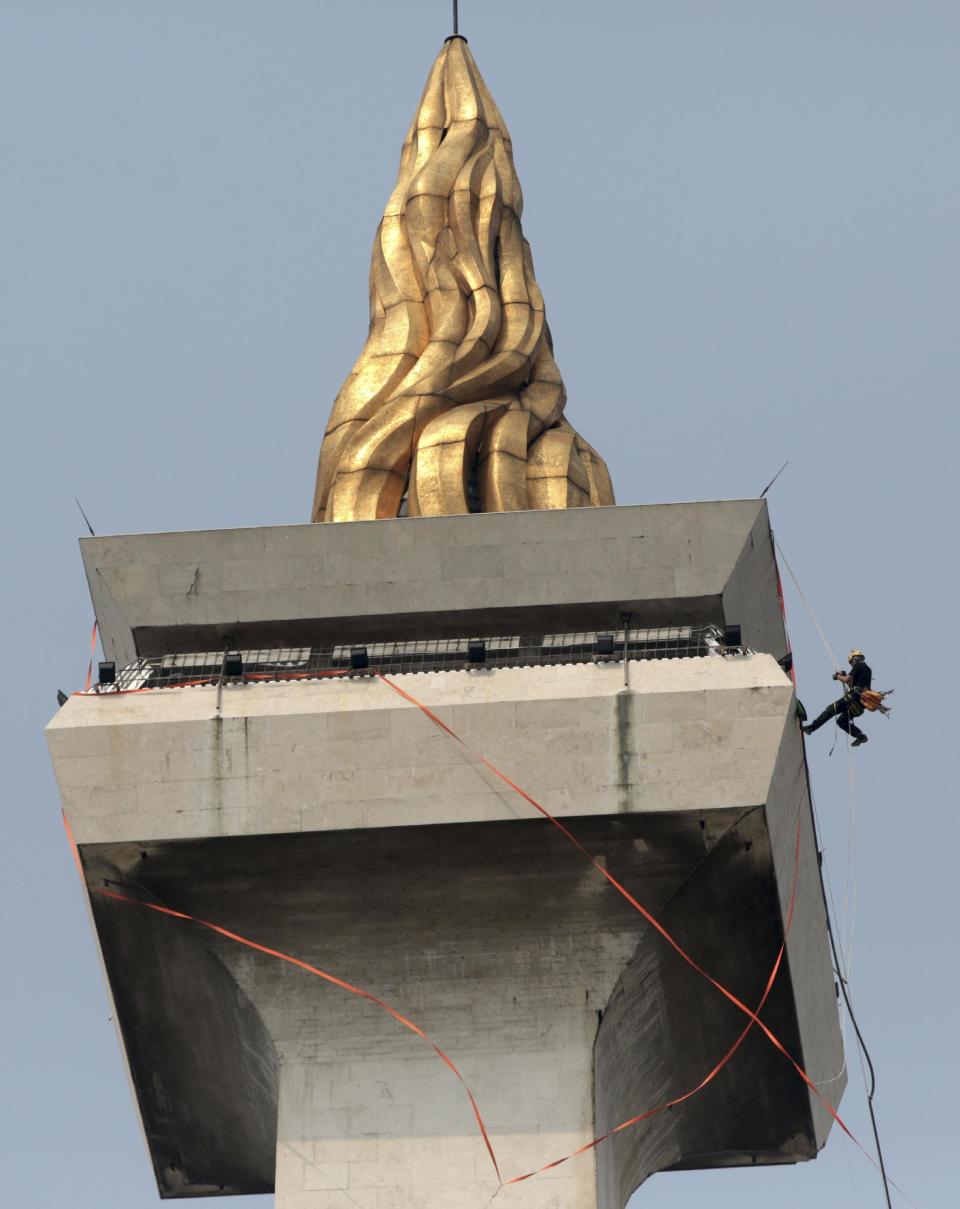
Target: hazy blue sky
[{"x": 744, "y": 221}]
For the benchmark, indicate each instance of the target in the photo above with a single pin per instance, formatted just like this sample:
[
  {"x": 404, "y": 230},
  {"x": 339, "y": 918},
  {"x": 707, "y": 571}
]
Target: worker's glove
[{"x": 837, "y": 675}]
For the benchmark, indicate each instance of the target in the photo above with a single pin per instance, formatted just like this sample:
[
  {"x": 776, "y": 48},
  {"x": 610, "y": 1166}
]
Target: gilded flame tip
[{"x": 456, "y": 403}]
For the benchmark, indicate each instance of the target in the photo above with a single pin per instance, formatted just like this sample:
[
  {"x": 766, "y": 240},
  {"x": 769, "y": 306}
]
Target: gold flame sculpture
[{"x": 456, "y": 403}]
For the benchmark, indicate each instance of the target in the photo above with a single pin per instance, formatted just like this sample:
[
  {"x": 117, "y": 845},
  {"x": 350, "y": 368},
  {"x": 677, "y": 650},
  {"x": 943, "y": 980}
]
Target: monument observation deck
[
  {"x": 568, "y": 866},
  {"x": 326, "y": 817}
]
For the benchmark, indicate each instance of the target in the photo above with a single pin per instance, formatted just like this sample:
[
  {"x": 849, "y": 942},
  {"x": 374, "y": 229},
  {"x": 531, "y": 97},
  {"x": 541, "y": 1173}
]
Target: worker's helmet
[{"x": 855, "y": 654}]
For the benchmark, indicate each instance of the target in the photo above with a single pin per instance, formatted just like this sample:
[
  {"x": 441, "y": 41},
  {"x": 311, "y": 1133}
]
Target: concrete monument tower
[{"x": 260, "y": 762}]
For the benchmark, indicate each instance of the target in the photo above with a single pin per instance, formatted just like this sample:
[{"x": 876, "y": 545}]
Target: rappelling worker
[{"x": 855, "y": 682}]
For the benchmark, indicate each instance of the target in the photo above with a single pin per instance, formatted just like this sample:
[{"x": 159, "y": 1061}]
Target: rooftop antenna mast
[
  {"x": 84, "y": 515},
  {"x": 456, "y": 19}
]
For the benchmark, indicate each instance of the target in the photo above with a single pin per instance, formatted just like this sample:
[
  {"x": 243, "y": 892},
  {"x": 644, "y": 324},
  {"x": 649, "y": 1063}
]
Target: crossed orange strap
[
  {"x": 753, "y": 1018},
  {"x": 93, "y": 652},
  {"x": 407, "y": 1023}
]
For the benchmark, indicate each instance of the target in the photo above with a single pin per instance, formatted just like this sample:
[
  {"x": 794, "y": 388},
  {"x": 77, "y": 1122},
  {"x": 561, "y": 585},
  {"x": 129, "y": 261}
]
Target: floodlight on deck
[
  {"x": 603, "y": 646},
  {"x": 233, "y": 664}
]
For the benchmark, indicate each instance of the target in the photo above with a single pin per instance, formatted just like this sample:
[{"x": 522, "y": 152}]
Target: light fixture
[
  {"x": 477, "y": 651},
  {"x": 359, "y": 659},
  {"x": 603, "y": 646},
  {"x": 107, "y": 673},
  {"x": 233, "y": 664},
  {"x": 732, "y": 636}
]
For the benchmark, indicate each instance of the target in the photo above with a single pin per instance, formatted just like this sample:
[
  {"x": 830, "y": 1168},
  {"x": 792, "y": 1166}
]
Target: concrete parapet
[
  {"x": 436, "y": 577},
  {"x": 689, "y": 734}
]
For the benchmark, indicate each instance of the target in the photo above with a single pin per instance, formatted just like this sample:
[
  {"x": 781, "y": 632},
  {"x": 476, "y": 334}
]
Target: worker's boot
[{"x": 858, "y": 740}]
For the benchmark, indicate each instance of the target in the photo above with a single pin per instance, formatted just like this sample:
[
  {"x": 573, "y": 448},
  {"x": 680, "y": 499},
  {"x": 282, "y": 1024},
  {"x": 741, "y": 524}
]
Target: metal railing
[{"x": 422, "y": 655}]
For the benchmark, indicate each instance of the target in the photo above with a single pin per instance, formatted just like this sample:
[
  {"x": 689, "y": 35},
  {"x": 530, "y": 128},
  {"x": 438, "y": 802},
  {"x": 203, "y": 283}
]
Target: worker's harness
[
  {"x": 855, "y": 706},
  {"x": 859, "y": 700},
  {"x": 867, "y": 699}
]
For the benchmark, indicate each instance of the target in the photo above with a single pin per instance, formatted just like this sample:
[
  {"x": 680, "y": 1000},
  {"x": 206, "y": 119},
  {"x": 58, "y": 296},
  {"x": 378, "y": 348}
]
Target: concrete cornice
[{"x": 419, "y": 577}]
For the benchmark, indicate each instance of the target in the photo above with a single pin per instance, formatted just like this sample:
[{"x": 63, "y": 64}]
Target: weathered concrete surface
[
  {"x": 331, "y": 820},
  {"x": 269, "y": 818},
  {"x": 435, "y": 577},
  {"x": 506, "y": 947},
  {"x": 662, "y": 1009},
  {"x": 690, "y": 734},
  {"x": 203, "y": 1066}
]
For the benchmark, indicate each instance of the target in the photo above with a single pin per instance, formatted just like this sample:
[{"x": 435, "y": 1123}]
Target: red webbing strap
[
  {"x": 324, "y": 674},
  {"x": 147, "y": 688},
  {"x": 654, "y": 923},
  {"x": 652, "y": 1112},
  {"x": 303, "y": 965},
  {"x": 783, "y": 616},
  {"x": 271, "y": 676},
  {"x": 93, "y": 652},
  {"x": 753, "y": 1016},
  {"x": 74, "y": 850},
  {"x": 409, "y": 1024}
]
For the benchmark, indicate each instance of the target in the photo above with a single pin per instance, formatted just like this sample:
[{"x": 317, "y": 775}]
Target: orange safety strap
[
  {"x": 93, "y": 652},
  {"x": 147, "y": 688},
  {"x": 652, "y": 1112},
  {"x": 783, "y": 615},
  {"x": 409, "y": 1024},
  {"x": 654, "y": 923},
  {"x": 153, "y": 688},
  {"x": 303, "y": 965},
  {"x": 324, "y": 674},
  {"x": 753, "y": 1016}
]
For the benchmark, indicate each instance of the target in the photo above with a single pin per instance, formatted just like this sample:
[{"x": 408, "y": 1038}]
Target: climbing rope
[
  {"x": 834, "y": 661},
  {"x": 841, "y": 960},
  {"x": 753, "y": 1018}
]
